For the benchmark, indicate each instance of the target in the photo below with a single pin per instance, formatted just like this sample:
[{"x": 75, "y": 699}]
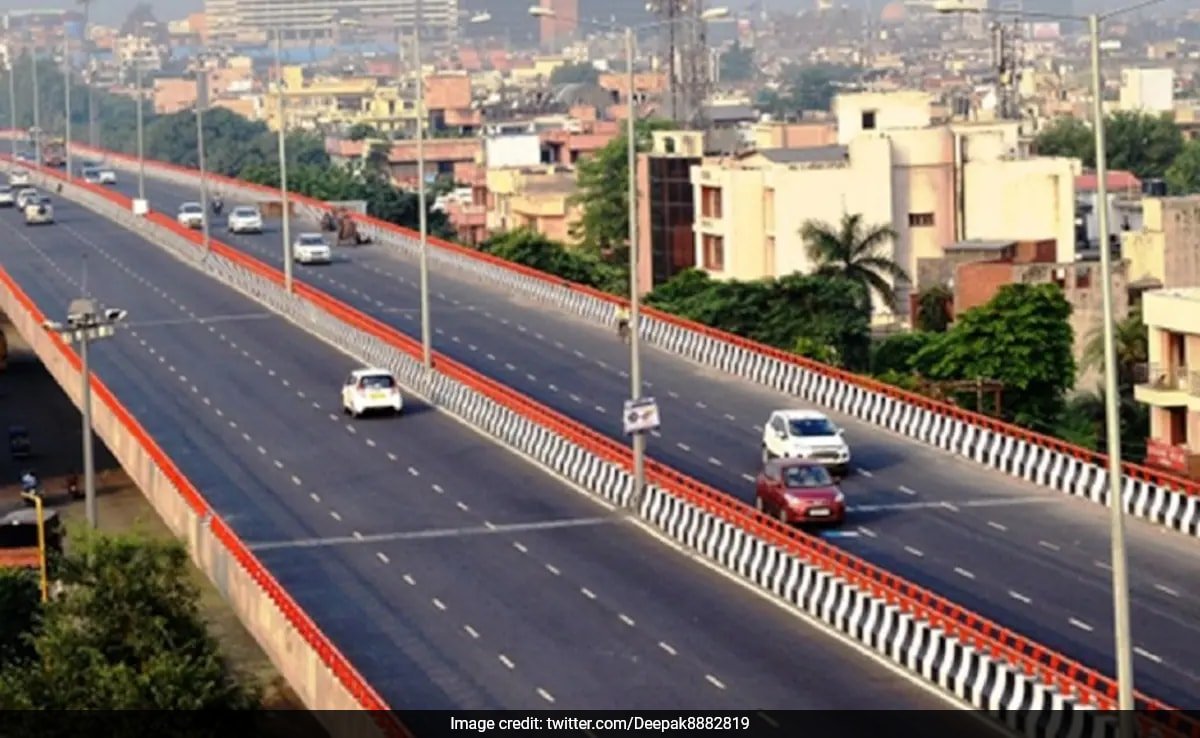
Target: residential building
[
  {"x": 1170, "y": 383},
  {"x": 932, "y": 185},
  {"x": 536, "y": 197},
  {"x": 1124, "y": 207},
  {"x": 1165, "y": 251},
  {"x": 1148, "y": 90},
  {"x": 798, "y": 135},
  {"x": 230, "y": 21},
  {"x": 667, "y": 206}
]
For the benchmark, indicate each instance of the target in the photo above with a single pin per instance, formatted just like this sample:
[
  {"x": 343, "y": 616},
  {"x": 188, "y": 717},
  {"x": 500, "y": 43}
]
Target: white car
[
  {"x": 91, "y": 175},
  {"x": 39, "y": 212},
  {"x": 26, "y": 196},
  {"x": 191, "y": 215},
  {"x": 8, "y": 198},
  {"x": 368, "y": 390},
  {"x": 19, "y": 178},
  {"x": 311, "y": 248},
  {"x": 108, "y": 176},
  {"x": 805, "y": 434},
  {"x": 245, "y": 219}
]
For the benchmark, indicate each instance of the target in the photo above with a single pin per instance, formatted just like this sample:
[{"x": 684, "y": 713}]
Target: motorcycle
[
  {"x": 217, "y": 206},
  {"x": 30, "y": 486}
]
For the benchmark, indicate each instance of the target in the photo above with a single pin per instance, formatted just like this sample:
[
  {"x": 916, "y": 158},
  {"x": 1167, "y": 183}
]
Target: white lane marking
[
  {"x": 587, "y": 593},
  {"x": 867, "y": 532},
  {"x": 315, "y": 497},
  {"x": 295, "y": 480},
  {"x": 714, "y": 461},
  {"x": 278, "y": 464},
  {"x": 462, "y": 506},
  {"x": 1167, "y": 590},
  {"x": 1102, "y": 565},
  {"x": 262, "y": 451},
  {"x": 600, "y": 409},
  {"x": 864, "y": 472},
  {"x": 545, "y": 695},
  {"x": 413, "y": 471},
  {"x": 950, "y": 506},
  {"x": 907, "y": 490},
  {"x": 553, "y": 569},
  {"x": 382, "y": 556},
  {"x": 409, "y": 580},
  {"x": 334, "y": 514},
  {"x": 997, "y": 526},
  {"x": 1146, "y": 654},
  {"x": 673, "y": 394},
  {"x": 913, "y": 551},
  {"x": 626, "y": 619},
  {"x": 438, "y": 488},
  {"x": 371, "y": 442},
  {"x": 358, "y": 535},
  {"x": 520, "y": 547},
  {"x": 683, "y": 447},
  {"x": 1019, "y": 597},
  {"x": 1080, "y": 624},
  {"x": 471, "y": 631},
  {"x": 509, "y": 367},
  {"x": 439, "y": 604},
  {"x": 507, "y": 662},
  {"x": 700, "y": 405},
  {"x": 941, "y": 505},
  {"x": 575, "y": 398},
  {"x": 748, "y": 477},
  {"x": 1049, "y": 545},
  {"x": 391, "y": 456},
  {"x": 667, "y": 647},
  {"x": 963, "y": 573},
  {"x": 714, "y": 681}
]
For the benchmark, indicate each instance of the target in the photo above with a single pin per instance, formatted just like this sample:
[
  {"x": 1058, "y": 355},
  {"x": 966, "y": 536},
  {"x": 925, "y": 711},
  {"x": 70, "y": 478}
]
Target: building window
[
  {"x": 669, "y": 144},
  {"x": 714, "y": 253},
  {"x": 769, "y": 208},
  {"x": 920, "y": 220},
  {"x": 868, "y": 120},
  {"x": 710, "y": 202}
]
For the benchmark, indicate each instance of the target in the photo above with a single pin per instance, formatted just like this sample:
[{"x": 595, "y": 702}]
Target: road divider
[
  {"x": 1032, "y": 689},
  {"x": 1156, "y": 496},
  {"x": 320, "y": 674}
]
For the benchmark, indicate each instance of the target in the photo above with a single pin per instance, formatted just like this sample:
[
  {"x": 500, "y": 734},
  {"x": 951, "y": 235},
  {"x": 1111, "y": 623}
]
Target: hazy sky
[{"x": 110, "y": 12}]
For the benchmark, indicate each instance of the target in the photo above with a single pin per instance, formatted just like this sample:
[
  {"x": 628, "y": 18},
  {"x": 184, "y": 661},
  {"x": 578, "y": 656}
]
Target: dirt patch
[{"x": 30, "y": 397}]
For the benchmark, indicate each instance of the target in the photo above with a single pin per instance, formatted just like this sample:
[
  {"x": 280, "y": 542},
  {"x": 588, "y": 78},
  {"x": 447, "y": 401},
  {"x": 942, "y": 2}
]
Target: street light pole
[
  {"x": 12, "y": 91},
  {"x": 422, "y": 220},
  {"x": 37, "y": 105},
  {"x": 635, "y": 333},
  {"x": 67, "y": 101},
  {"x": 201, "y": 101},
  {"x": 141, "y": 131},
  {"x": 284, "y": 199},
  {"x": 1112, "y": 423}
]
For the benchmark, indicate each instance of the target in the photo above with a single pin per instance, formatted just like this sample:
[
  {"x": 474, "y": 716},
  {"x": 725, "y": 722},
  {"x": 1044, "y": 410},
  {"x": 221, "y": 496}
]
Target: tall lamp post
[
  {"x": 284, "y": 199},
  {"x": 12, "y": 91},
  {"x": 1123, "y": 644},
  {"x": 635, "y": 298},
  {"x": 86, "y": 322},
  {"x": 37, "y": 106},
  {"x": 201, "y": 104},
  {"x": 141, "y": 121},
  {"x": 67, "y": 102},
  {"x": 423, "y": 215}
]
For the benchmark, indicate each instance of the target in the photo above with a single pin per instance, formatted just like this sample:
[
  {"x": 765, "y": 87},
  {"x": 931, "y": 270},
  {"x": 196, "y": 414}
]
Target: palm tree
[
  {"x": 851, "y": 250},
  {"x": 1130, "y": 341}
]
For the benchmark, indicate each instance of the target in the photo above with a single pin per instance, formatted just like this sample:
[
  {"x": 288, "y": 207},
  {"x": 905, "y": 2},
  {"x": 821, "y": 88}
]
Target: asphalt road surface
[{"x": 450, "y": 571}]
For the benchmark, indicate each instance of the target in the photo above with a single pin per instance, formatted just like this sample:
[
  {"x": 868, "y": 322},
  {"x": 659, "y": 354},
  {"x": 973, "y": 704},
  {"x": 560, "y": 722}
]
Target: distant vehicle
[
  {"x": 799, "y": 491},
  {"x": 54, "y": 153},
  {"x": 19, "y": 178},
  {"x": 368, "y": 390},
  {"x": 39, "y": 211},
  {"x": 108, "y": 176},
  {"x": 8, "y": 198},
  {"x": 245, "y": 219},
  {"x": 19, "y": 530},
  {"x": 191, "y": 215},
  {"x": 805, "y": 434},
  {"x": 26, "y": 196},
  {"x": 91, "y": 175},
  {"x": 19, "y": 445},
  {"x": 312, "y": 248}
]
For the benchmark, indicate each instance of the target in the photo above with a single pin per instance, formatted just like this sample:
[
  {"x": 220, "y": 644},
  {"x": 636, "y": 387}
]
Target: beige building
[
  {"x": 1166, "y": 250},
  {"x": 538, "y": 198},
  {"x": 934, "y": 185},
  {"x": 1171, "y": 384}
]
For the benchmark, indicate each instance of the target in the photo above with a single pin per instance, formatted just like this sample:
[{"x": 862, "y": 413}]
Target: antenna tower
[{"x": 687, "y": 61}]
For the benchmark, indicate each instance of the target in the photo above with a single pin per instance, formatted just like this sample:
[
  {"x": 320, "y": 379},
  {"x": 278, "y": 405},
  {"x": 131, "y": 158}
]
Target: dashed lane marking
[
  {"x": 545, "y": 695},
  {"x": 714, "y": 681},
  {"x": 1080, "y": 624},
  {"x": 471, "y": 631},
  {"x": 914, "y": 551},
  {"x": 507, "y": 662},
  {"x": 1166, "y": 590},
  {"x": 382, "y": 557},
  {"x": 1147, "y": 655},
  {"x": 626, "y": 619},
  {"x": 1019, "y": 597},
  {"x": 667, "y": 647}
]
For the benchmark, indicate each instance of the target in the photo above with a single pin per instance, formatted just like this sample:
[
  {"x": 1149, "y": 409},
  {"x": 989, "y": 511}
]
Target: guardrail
[
  {"x": 1154, "y": 495},
  {"x": 322, "y": 676},
  {"x": 1032, "y": 688}
]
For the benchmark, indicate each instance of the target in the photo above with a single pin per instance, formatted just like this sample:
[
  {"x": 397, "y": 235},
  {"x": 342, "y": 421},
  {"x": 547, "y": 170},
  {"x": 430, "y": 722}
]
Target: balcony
[{"x": 1166, "y": 385}]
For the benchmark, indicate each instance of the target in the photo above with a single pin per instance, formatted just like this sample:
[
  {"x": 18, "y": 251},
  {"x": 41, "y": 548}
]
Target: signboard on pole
[{"x": 640, "y": 415}]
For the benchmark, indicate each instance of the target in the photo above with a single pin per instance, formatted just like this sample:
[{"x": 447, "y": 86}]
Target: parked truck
[{"x": 54, "y": 153}]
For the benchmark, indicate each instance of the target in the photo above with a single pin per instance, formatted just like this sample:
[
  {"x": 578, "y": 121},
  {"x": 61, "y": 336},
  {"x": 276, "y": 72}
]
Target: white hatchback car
[
  {"x": 370, "y": 390},
  {"x": 245, "y": 219},
  {"x": 8, "y": 198},
  {"x": 26, "y": 196},
  {"x": 191, "y": 215},
  {"x": 311, "y": 248},
  {"x": 108, "y": 176},
  {"x": 39, "y": 211},
  {"x": 806, "y": 434}
]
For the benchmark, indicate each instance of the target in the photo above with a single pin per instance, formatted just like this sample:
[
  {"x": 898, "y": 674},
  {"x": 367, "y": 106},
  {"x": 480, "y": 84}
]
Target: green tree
[
  {"x": 1132, "y": 346},
  {"x": 1069, "y": 137},
  {"x": 894, "y": 353},
  {"x": 737, "y": 64},
  {"x": 20, "y": 613},
  {"x": 125, "y": 633},
  {"x": 1022, "y": 338},
  {"x": 568, "y": 74},
  {"x": 933, "y": 308},
  {"x": 1183, "y": 176},
  {"x": 852, "y": 250},
  {"x": 360, "y": 131},
  {"x": 806, "y": 87},
  {"x": 603, "y": 191},
  {"x": 532, "y": 249}
]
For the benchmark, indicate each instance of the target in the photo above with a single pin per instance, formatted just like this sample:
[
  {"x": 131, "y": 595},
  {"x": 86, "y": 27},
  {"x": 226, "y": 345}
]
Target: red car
[{"x": 799, "y": 491}]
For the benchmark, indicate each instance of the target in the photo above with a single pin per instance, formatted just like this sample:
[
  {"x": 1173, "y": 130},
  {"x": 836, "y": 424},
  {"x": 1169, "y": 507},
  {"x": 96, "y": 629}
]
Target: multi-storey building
[
  {"x": 232, "y": 20},
  {"x": 1170, "y": 384}
]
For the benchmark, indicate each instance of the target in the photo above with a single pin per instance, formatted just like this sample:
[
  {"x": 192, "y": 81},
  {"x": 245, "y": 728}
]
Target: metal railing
[{"x": 1162, "y": 376}]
